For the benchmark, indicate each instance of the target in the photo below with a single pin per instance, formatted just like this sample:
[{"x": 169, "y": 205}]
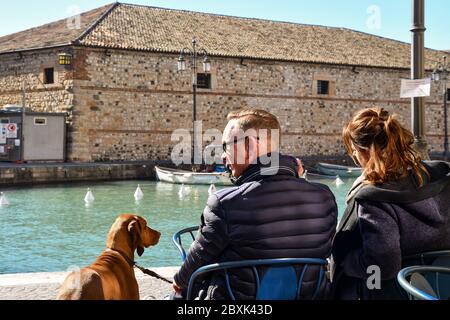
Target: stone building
[{"x": 125, "y": 96}]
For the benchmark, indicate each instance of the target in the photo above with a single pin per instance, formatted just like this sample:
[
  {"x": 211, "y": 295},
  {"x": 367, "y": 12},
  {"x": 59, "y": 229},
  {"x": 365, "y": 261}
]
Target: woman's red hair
[{"x": 387, "y": 144}]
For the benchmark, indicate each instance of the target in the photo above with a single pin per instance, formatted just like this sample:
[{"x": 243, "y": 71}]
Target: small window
[
  {"x": 4, "y": 121},
  {"x": 448, "y": 94},
  {"x": 204, "y": 80},
  {"x": 40, "y": 121},
  {"x": 323, "y": 87},
  {"x": 49, "y": 76}
]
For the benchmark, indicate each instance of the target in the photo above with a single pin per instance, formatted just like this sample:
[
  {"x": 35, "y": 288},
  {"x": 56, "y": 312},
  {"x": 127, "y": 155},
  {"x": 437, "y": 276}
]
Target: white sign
[
  {"x": 11, "y": 131},
  {"x": 17, "y": 142},
  {"x": 3, "y": 133},
  {"x": 415, "y": 88},
  {"x": 2, "y": 149}
]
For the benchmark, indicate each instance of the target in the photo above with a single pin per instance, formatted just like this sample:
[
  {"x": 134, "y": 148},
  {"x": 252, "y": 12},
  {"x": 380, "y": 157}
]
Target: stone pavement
[{"x": 44, "y": 286}]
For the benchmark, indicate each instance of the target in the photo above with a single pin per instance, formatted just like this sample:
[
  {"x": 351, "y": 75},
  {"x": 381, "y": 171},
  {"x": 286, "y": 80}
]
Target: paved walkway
[{"x": 44, "y": 286}]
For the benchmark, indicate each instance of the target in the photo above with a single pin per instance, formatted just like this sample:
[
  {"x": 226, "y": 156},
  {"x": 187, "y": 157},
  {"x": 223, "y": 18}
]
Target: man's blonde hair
[
  {"x": 254, "y": 119},
  {"x": 257, "y": 119}
]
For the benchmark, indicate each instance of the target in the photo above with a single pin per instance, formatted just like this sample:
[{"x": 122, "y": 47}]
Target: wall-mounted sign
[
  {"x": 11, "y": 132},
  {"x": 3, "y": 133},
  {"x": 415, "y": 88}
]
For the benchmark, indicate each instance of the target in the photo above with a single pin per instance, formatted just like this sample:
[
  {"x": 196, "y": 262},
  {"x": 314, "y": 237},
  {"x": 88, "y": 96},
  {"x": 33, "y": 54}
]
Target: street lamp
[
  {"x": 441, "y": 74},
  {"x": 181, "y": 63},
  {"x": 64, "y": 59},
  {"x": 207, "y": 65},
  {"x": 194, "y": 53}
]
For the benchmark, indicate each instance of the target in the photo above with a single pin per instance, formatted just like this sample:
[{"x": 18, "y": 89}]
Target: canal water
[{"x": 48, "y": 229}]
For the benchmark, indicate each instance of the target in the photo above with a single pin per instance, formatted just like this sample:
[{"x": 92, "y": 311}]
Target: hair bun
[
  {"x": 384, "y": 115},
  {"x": 387, "y": 144}
]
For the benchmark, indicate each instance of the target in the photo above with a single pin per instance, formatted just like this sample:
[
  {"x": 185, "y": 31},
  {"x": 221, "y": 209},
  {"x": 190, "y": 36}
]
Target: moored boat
[
  {"x": 316, "y": 176},
  {"x": 187, "y": 177},
  {"x": 337, "y": 170}
]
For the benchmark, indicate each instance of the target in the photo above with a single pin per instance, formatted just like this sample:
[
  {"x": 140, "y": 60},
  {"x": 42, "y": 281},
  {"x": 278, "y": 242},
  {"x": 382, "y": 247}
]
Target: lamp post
[
  {"x": 194, "y": 53},
  {"x": 22, "y": 116},
  {"x": 441, "y": 74},
  {"x": 418, "y": 72}
]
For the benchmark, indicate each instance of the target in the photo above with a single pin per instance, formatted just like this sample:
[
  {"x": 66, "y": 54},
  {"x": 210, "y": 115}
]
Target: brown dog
[{"x": 111, "y": 276}]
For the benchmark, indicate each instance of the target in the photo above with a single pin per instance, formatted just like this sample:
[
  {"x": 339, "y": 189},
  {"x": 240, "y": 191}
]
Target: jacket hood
[{"x": 429, "y": 202}]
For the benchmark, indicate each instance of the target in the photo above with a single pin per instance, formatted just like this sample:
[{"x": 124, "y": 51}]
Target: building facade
[{"x": 124, "y": 98}]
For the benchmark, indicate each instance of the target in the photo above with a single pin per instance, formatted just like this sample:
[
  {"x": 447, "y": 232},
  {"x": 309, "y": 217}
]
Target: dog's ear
[{"x": 134, "y": 228}]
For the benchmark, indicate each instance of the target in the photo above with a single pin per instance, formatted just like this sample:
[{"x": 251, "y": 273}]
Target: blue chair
[
  {"x": 425, "y": 279},
  {"x": 420, "y": 288},
  {"x": 177, "y": 239},
  {"x": 279, "y": 281}
]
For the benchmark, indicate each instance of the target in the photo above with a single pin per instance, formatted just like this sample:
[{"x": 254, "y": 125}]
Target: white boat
[
  {"x": 187, "y": 177},
  {"x": 341, "y": 171}
]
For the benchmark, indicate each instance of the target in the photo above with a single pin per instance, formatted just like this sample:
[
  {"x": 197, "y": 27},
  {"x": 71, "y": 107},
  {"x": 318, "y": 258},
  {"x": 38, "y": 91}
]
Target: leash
[
  {"x": 144, "y": 270},
  {"x": 152, "y": 273}
]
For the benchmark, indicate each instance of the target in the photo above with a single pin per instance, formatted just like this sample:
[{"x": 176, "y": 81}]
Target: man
[{"x": 271, "y": 213}]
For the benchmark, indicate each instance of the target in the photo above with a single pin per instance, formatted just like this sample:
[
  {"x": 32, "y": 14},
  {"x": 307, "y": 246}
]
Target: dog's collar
[{"x": 127, "y": 259}]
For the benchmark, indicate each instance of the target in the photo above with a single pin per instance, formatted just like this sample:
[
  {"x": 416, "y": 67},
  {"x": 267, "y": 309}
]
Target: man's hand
[
  {"x": 176, "y": 288},
  {"x": 301, "y": 170}
]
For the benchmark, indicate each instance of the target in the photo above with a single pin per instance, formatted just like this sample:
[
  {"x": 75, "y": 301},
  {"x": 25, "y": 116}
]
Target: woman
[{"x": 399, "y": 207}]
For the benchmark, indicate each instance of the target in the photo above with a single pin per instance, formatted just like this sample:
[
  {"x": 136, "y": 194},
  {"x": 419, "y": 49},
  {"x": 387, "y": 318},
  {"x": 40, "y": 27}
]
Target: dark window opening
[
  {"x": 40, "y": 121},
  {"x": 49, "y": 76},
  {"x": 204, "y": 80},
  {"x": 323, "y": 87},
  {"x": 448, "y": 94}
]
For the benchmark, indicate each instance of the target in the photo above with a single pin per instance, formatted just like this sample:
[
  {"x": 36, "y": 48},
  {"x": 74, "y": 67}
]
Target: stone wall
[
  {"x": 63, "y": 173},
  {"x": 134, "y": 101},
  {"x": 18, "y": 69},
  {"x": 126, "y": 104}
]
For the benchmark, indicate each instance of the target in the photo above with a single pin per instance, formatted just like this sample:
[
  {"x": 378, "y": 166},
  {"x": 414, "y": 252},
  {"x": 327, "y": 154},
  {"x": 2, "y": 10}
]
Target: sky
[{"x": 387, "y": 18}]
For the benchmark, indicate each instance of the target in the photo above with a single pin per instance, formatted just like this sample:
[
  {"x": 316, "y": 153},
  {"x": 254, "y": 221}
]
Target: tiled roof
[
  {"x": 52, "y": 34},
  {"x": 134, "y": 27}
]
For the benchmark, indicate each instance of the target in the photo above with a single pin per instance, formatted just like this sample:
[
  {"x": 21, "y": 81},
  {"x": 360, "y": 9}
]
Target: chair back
[
  {"x": 434, "y": 283},
  {"x": 278, "y": 282},
  {"x": 426, "y": 292},
  {"x": 178, "y": 237}
]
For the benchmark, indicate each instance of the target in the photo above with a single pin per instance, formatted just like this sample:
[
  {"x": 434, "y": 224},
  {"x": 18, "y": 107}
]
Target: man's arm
[{"x": 211, "y": 240}]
